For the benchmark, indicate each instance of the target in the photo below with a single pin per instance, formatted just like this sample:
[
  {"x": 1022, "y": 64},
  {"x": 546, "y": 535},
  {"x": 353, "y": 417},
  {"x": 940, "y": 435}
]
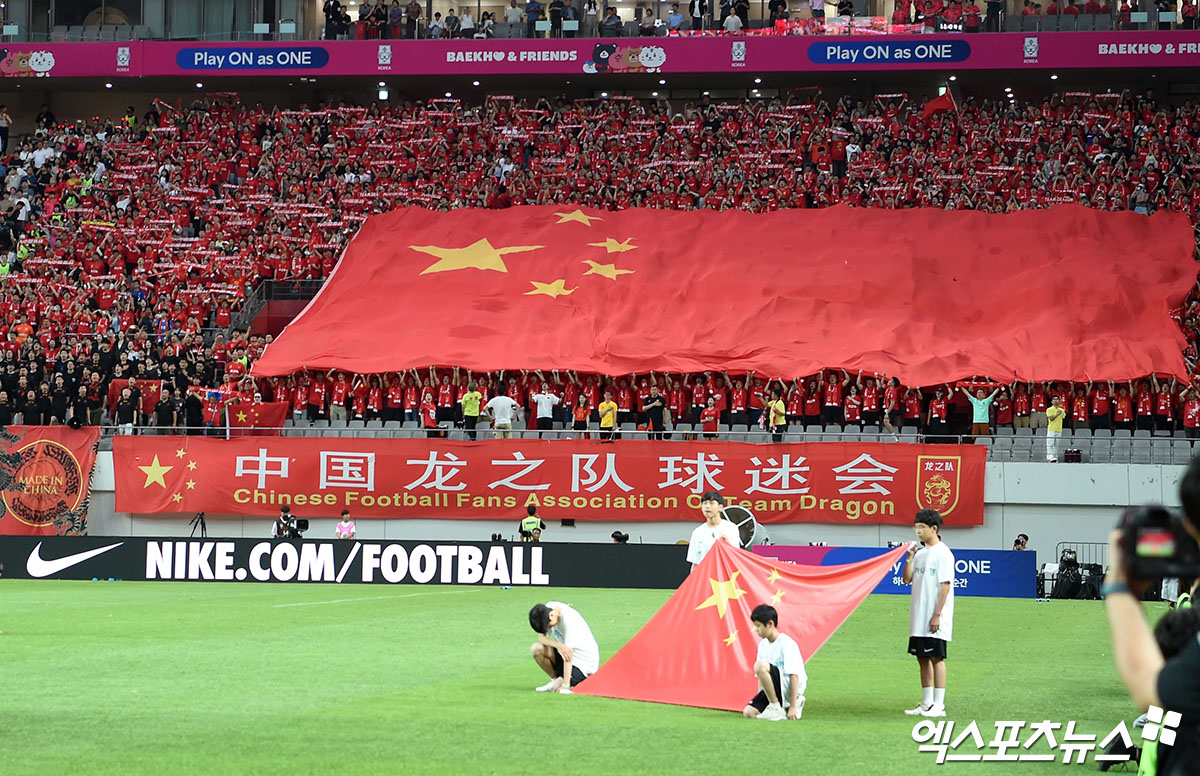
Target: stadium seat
[
  {"x": 1121, "y": 451},
  {"x": 1141, "y": 433},
  {"x": 123, "y": 32},
  {"x": 1181, "y": 453},
  {"x": 1141, "y": 451},
  {"x": 813, "y": 429},
  {"x": 74, "y": 34},
  {"x": 107, "y": 32},
  {"x": 1006, "y": 431},
  {"x": 141, "y": 32},
  {"x": 1161, "y": 451},
  {"x": 1081, "y": 433},
  {"x": 683, "y": 427},
  {"x": 320, "y": 423},
  {"x": 58, "y": 33},
  {"x": 1101, "y": 451},
  {"x": 409, "y": 424},
  {"x": 1024, "y": 432},
  {"x": 852, "y": 429},
  {"x": 909, "y": 431},
  {"x": 1103, "y": 23},
  {"x": 1122, "y": 433}
]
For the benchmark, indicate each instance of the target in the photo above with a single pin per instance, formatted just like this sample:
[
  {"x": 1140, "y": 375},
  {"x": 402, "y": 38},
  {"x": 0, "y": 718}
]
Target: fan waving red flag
[
  {"x": 699, "y": 649},
  {"x": 256, "y": 418},
  {"x": 939, "y": 104}
]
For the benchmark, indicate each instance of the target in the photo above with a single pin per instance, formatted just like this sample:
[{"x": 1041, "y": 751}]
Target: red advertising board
[{"x": 627, "y": 480}]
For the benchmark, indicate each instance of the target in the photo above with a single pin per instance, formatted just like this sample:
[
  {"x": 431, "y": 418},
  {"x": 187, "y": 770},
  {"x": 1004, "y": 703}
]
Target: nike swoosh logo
[{"x": 39, "y": 567}]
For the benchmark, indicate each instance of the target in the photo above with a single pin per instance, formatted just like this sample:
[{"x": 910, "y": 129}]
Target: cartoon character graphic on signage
[
  {"x": 600, "y": 58},
  {"x": 625, "y": 59},
  {"x": 653, "y": 58},
  {"x": 16, "y": 65},
  {"x": 41, "y": 63}
]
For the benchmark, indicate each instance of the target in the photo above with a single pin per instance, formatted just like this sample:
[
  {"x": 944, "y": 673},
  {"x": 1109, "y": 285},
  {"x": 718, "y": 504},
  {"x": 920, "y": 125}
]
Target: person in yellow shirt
[
  {"x": 608, "y": 416},
  {"x": 1054, "y": 421},
  {"x": 470, "y": 408},
  {"x": 776, "y": 415}
]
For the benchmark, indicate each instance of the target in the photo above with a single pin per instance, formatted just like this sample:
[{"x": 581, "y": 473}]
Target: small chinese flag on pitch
[
  {"x": 256, "y": 418},
  {"x": 699, "y": 649}
]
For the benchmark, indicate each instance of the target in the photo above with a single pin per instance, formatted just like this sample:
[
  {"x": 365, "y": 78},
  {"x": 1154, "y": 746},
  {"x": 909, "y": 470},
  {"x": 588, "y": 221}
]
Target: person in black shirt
[
  {"x": 59, "y": 399},
  {"x": 27, "y": 409},
  {"x": 80, "y": 405},
  {"x": 193, "y": 410},
  {"x": 95, "y": 399},
  {"x": 165, "y": 413},
  {"x": 1171, "y": 684},
  {"x": 126, "y": 412},
  {"x": 6, "y": 409},
  {"x": 654, "y": 407}
]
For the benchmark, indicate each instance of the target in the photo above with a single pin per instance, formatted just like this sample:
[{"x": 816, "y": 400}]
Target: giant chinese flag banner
[
  {"x": 699, "y": 649},
  {"x": 924, "y": 295},
  {"x": 626, "y": 481},
  {"x": 46, "y": 479}
]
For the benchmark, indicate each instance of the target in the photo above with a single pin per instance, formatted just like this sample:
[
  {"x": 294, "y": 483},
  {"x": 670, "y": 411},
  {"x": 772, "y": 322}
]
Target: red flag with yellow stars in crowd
[
  {"x": 924, "y": 295},
  {"x": 699, "y": 649},
  {"x": 256, "y": 418},
  {"x": 168, "y": 480}
]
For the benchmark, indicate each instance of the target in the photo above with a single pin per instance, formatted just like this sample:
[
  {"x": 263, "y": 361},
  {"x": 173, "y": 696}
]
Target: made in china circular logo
[{"x": 51, "y": 483}]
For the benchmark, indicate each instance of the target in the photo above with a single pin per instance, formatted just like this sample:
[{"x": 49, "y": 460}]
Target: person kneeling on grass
[
  {"x": 779, "y": 669},
  {"x": 565, "y": 646}
]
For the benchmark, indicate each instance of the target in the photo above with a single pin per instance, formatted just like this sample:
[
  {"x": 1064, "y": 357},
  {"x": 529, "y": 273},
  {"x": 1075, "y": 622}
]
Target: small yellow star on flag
[
  {"x": 241, "y": 416},
  {"x": 609, "y": 271},
  {"x": 578, "y": 216},
  {"x": 610, "y": 245},
  {"x": 191, "y": 466},
  {"x": 556, "y": 289},
  {"x": 154, "y": 473},
  {"x": 180, "y": 453},
  {"x": 722, "y": 594},
  {"x": 731, "y": 638},
  {"x": 775, "y": 598},
  {"x": 176, "y": 498},
  {"x": 191, "y": 485},
  {"x": 774, "y": 576},
  {"x": 478, "y": 255}
]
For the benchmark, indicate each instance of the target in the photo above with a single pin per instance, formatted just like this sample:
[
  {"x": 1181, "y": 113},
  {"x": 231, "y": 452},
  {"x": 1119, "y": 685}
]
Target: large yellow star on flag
[
  {"x": 611, "y": 245},
  {"x": 609, "y": 271},
  {"x": 478, "y": 255},
  {"x": 556, "y": 289},
  {"x": 722, "y": 594},
  {"x": 578, "y": 216},
  {"x": 154, "y": 473},
  {"x": 731, "y": 638},
  {"x": 241, "y": 416}
]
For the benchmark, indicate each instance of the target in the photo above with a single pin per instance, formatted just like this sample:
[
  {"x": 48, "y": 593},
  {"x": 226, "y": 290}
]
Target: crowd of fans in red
[{"x": 126, "y": 238}]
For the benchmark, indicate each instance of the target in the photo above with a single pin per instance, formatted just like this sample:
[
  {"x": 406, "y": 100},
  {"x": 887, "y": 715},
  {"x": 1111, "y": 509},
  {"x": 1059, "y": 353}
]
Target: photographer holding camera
[
  {"x": 286, "y": 526},
  {"x": 1152, "y": 543}
]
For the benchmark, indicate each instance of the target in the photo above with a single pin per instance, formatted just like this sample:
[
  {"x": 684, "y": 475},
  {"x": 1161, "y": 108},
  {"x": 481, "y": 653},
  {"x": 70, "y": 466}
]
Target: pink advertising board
[{"x": 759, "y": 54}]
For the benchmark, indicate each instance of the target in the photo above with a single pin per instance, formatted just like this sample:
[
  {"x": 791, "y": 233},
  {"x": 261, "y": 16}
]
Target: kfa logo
[
  {"x": 385, "y": 55},
  {"x": 937, "y": 482},
  {"x": 123, "y": 56},
  {"x": 1031, "y": 48},
  {"x": 738, "y": 53}
]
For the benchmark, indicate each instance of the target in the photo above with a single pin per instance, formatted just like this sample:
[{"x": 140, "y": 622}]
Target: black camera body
[
  {"x": 1156, "y": 544},
  {"x": 296, "y": 526}
]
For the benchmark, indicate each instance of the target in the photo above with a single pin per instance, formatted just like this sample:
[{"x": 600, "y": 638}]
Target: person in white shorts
[
  {"x": 714, "y": 528},
  {"x": 566, "y": 649}
]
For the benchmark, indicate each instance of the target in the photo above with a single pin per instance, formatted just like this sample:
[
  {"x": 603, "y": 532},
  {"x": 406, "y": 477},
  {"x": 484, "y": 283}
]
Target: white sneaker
[
  {"x": 550, "y": 686},
  {"x": 773, "y": 712},
  {"x": 565, "y": 691},
  {"x": 935, "y": 710},
  {"x": 918, "y": 710}
]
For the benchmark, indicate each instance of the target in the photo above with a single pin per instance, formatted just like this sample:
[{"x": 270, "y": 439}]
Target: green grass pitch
[{"x": 144, "y": 678}]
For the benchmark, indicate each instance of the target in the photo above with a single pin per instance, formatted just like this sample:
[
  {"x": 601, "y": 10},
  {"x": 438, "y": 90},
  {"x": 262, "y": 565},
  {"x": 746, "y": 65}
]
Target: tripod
[{"x": 198, "y": 522}]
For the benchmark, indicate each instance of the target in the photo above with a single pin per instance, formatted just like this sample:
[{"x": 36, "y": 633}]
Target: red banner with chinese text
[
  {"x": 629, "y": 480},
  {"x": 51, "y": 478}
]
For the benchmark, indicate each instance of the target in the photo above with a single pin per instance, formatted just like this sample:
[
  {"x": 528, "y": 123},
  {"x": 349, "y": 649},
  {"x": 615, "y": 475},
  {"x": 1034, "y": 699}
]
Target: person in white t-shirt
[
  {"x": 344, "y": 529},
  {"x": 714, "y": 528},
  {"x": 565, "y": 647},
  {"x": 545, "y": 402},
  {"x": 501, "y": 410},
  {"x": 779, "y": 668},
  {"x": 930, "y": 571}
]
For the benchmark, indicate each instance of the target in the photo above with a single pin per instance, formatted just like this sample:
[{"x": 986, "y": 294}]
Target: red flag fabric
[
  {"x": 939, "y": 104},
  {"x": 699, "y": 649},
  {"x": 256, "y": 418},
  {"x": 149, "y": 389},
  {"x": 924, "y": 295},
  {"x": 54, "y": 472}
]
